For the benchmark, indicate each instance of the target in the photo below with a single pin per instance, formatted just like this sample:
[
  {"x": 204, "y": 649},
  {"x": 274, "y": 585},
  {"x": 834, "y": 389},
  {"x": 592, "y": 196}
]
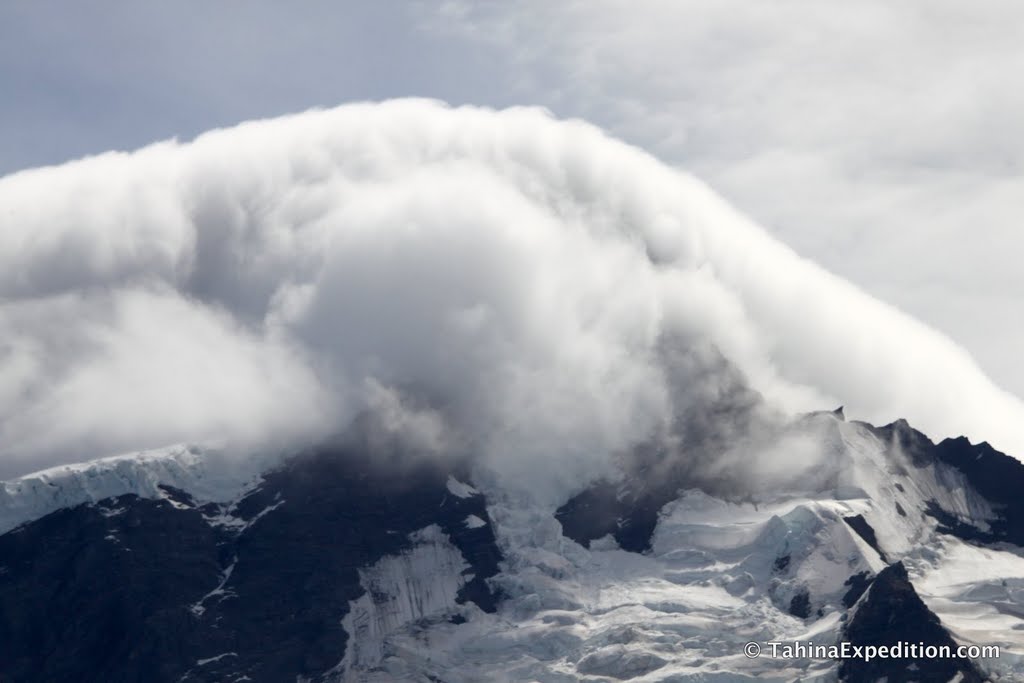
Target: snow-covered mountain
[
  {"x": 497, "y": 398},
  {"x": 330, "y": 567}
]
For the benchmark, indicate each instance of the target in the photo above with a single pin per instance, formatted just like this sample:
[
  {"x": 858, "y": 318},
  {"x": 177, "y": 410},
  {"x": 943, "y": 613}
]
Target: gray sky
[{"x": 881, "y": 139}]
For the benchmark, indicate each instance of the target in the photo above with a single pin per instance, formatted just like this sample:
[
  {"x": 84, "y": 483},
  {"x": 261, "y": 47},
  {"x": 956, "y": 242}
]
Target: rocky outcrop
[{"x": 167, "y": 589}]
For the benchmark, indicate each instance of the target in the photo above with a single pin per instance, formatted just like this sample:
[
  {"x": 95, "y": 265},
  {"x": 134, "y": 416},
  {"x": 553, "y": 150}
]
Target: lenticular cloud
[{"x": 496, "y": 281}]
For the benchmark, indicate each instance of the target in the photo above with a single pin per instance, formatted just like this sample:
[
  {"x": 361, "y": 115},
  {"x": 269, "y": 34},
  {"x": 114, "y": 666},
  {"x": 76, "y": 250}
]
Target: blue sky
[{"x": 85, "y": 77}]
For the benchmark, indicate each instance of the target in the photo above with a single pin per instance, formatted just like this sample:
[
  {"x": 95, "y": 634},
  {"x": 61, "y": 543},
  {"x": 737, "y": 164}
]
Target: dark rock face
[
  {"x": 143, "y": 590},
  {"x": 91, "y": 597},
  {"x": 865, "y": 531},
  {"x": 800, "y": 605},
  {"x": 858, "y": 584},
  {"x": 994, "y": 476},
  {"x": 893, "y": 613},
  {"x": 604, "y": 509},
  {"x": 997, "y": 477}
]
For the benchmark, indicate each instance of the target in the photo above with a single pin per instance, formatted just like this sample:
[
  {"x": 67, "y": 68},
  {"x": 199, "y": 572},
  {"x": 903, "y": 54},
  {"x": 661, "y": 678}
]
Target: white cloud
[
  {"x": 881, "y": 139},
  {"x": 112, "y": 370},
  {"x": 509, "y": 280}
]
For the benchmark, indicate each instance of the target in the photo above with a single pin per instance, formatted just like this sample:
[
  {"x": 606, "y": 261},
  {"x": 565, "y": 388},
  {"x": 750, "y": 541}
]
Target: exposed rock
[
  {"x": 159, "y": 590},
  {"x": 893, "y": 613}
]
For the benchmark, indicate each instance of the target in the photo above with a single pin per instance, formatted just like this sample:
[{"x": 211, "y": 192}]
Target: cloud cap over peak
[{"x": 498, "y": 281}]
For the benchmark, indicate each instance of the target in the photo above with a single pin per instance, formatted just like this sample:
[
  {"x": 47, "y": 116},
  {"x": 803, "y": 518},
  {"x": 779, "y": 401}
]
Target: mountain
[
  {"x": 473, "y": 395},
  {"x": 337, "y": 566}
]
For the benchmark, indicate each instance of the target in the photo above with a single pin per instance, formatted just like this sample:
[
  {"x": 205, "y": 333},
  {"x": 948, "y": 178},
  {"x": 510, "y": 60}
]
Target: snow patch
[
  {"x": 210, "y": 660},
  {"x": 978, "y": 593},
  {"x": 459, "y": 489},
  {"x": 219, "y": 592}
]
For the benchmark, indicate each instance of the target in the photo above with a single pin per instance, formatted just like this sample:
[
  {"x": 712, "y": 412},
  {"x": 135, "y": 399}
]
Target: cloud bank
[
  {"x": 488, "y": 281},
  {"x": 840, "y": 126}
]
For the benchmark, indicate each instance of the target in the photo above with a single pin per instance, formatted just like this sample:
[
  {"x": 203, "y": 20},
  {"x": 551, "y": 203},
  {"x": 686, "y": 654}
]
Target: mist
[{"x": 498, "y": 283}]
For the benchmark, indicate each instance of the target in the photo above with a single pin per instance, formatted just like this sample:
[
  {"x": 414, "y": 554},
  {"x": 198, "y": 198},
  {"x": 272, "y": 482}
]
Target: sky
[{"x": 879, "y": 140}]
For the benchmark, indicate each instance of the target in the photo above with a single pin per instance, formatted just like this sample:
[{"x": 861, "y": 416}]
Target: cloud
[
  {"x": 494, "y": 282},
  {"x": 880, "y": 139},
  {"x": 114, "y": 370}
]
